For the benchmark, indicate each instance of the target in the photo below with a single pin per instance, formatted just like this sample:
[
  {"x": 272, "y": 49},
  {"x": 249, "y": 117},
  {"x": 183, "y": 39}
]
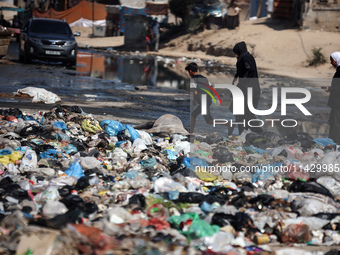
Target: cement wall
[{"x": 323, "y": 18}]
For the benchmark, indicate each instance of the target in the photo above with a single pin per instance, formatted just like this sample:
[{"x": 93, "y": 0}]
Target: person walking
[
  {"x": 247, "y": 76},
  {"x": 155, "y": 33},
  {"x": 333, "y": 100},
  {"x": 198, "y": 82}
]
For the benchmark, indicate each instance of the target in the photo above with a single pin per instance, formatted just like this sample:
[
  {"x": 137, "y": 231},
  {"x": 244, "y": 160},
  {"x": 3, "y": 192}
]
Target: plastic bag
[
  {"x": 331, "y": 184},
  {"x": 70, "y": 149},
  {"x": 10, "y": 158},
  {"x": 223, "y": 155},
  {"x": 50, "y": 193},
  {"x": 112, "y": 127},
  {"x": 296, "y": 233},
  {"x": 219, "y": 242},
  {"x": 252, "y": 149},
  {"x": 29, "y": 160},
  {"x": 329, "y": 165},
  {"x": 51, "y": 153},
  {"x": 132, "y": 132},
  {"x": 164, "y": 184},
  {"x": 323, "y": 141},
  {"x": 40, "y": 95},
  {"x": 138, "y": 145},
  {"x": 263, "y": 174},
  {"x": 89, "y": 163},
  {"x": 75, "y": 170},
  {"x": 313, "y": 187},
  {"x": 151, "y": 162},
  {"x": 145, "y": 136},
  {"x": 53, "y": 208},
  {"x": 242, "y": 177},
  {"x": 205, "y": 176},
  {"x": 60, "y": 125},
  {"x": 182, "y": 146},
  {"x": 192, "y": 163},
  {"x": 90, "y": 126},
  {"x": 177, "y": 221}
]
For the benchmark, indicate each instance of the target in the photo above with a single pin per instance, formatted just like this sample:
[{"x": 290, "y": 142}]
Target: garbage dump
[{"x": 73, "y": 185}]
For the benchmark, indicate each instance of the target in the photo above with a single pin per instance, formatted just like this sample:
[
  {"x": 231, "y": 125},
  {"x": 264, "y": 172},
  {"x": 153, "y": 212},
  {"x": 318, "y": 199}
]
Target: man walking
[
  {"x": 199, "y": 83},
  {"x": 155, "y": 33}
]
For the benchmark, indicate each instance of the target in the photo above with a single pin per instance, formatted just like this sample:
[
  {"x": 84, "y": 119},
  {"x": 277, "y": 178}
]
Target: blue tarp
[{"x": 129, "y": 11}]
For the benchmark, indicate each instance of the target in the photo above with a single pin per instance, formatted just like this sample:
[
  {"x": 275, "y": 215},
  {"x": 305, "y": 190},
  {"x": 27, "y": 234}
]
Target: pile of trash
[{"x": 70, "y": 184}]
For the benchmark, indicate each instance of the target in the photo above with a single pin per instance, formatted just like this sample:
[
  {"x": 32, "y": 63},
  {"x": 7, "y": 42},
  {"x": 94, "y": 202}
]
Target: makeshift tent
[
  {"x": 80, "y": 15},
  {"x": 130, "y": 11}
]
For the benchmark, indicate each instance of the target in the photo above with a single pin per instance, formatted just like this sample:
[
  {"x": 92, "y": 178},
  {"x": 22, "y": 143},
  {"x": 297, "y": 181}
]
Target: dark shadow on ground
[{"x": 277, "y": 24}]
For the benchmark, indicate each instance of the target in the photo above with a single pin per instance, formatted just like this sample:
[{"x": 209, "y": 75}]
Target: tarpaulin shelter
[
  {"x": 130, "y": 11},
  {"x": 83, "y": 14}
]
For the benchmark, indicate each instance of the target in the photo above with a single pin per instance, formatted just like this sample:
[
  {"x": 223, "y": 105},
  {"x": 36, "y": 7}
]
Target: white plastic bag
[
  {"x": 145, "y": 136},
  {"x": 29, "y": 161},
  {"x": 89, "y": 163},
  {"x": 138, "y": 145},
  {"x": 40, "y": 95}
]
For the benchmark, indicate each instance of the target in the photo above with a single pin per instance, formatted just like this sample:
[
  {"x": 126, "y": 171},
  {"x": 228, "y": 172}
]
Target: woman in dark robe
[
  {"x": 334, "y": 99},
  {"x": 248, "y": 78}
]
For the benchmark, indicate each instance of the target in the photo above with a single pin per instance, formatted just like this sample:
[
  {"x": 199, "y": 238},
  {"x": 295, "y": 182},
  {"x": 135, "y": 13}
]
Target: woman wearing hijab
[
  {"x": 248, "y": 78},
  {"x": 334, "y": 99}
]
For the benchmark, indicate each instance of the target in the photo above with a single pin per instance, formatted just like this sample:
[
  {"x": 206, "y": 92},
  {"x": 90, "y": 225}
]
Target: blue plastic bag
[
  {"x": 206, "y": 207},
  {"x": 131, "y": 174},
  {"x": 252, "y": 149},
  {"x": 75, "y": 170},
  {"x": 324, "y": 141},
  {"x": 70, "y": 148},
  {"x": 266, "y": 171},
  {"x": 112, "y": 127},
  {"x": 5, "y": 152},
  {"x": 151, "y": 162},
  {"x": 193, "y": 162},
  {"x": 28, "y": 117},
  {"x": 60, "y": 125},
  {"x": 133, "y": 132},
  {"x": 173, "y": 194},
  {"x": 170, "y": 154},
  {"x": 119, "y": 143},
  {"x": 51, "y": 153},
  {"x": 60, "y": 137}
]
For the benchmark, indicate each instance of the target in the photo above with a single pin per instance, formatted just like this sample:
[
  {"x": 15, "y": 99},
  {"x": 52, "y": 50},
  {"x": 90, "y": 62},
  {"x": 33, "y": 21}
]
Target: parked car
[{"x": 48, "y": 39}]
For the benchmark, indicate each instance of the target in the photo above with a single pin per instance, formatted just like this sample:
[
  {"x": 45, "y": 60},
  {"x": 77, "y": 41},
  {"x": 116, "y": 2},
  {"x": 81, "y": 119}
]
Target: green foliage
[
  {"x": 180, "y": 8},
  {"x": 317, "y": 58}
]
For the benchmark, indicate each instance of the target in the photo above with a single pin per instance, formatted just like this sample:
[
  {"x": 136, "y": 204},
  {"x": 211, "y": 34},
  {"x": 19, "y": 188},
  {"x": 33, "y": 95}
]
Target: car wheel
[
  {"x": 27, "y": 57},
  {"x": 72, "y": 62},
  {"x": 21, "y": 58}
]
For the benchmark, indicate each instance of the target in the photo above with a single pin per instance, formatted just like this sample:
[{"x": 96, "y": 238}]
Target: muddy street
[{"x": 103, "y": 97}]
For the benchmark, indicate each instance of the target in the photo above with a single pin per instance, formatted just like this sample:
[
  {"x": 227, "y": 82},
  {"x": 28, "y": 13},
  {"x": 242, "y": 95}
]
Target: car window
[{"x": 50, "y": 27}]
